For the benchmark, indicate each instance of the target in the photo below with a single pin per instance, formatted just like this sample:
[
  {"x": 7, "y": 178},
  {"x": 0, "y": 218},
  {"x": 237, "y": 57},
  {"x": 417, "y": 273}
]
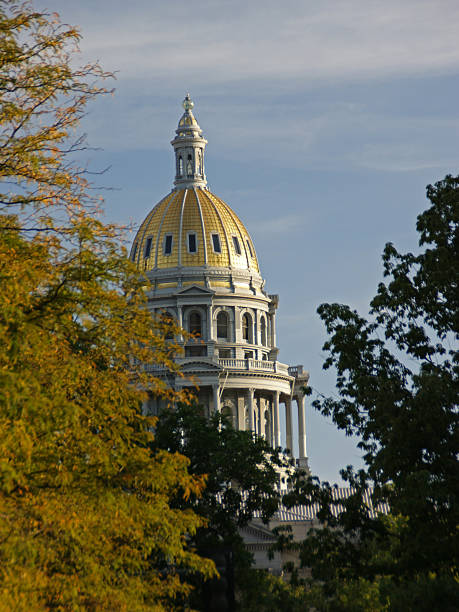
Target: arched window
[
  {"x": 222, "y": 325},
  {"x": 247, "y": 328},
  {"x": 263, "y": 331},
  {"x": 189, "y": 166},
  {"x": 229, "y": 417},
  {"x": 180, "y": 165},
  {"x": 168, "y": 321},
  {"x": 195, "y": 324}
]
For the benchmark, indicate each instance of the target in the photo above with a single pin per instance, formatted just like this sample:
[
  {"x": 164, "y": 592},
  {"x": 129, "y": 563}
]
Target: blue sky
[{"x": 325, "y": 122}]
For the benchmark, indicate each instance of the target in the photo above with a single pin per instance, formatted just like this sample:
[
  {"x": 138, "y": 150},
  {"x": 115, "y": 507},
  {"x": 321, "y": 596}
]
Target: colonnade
[{"x": 255, "y": 408}]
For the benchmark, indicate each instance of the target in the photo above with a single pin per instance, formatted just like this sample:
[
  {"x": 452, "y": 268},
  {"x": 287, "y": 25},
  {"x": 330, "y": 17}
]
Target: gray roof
[{"x": 308, "y": 512}]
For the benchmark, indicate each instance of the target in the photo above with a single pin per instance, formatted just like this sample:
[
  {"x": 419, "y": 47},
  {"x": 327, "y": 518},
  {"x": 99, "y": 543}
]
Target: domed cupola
[
  {"x": 189, "y": 148},
  {"x": 191, "y": 228}
]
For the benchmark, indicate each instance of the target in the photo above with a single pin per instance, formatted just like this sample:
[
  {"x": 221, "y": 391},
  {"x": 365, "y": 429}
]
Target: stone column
[
  {"x": 240, "y": 411},
  {"x": 216, "y": 397},
  {"x": 250, "y": 394},
  {"x": 276, "y": 427},
  {"x": 273, "y": 330},
  {"x": 301, "y": 426},
  {"x": 210, "y": 327},
  {"x": 180, "y": 320},
  {"x": 288, "y": 424},
  {"x": 271, "y": 422},
  {"x": 261, "y": 412}
]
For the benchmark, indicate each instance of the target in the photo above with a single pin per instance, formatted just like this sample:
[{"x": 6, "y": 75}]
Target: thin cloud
[
  {"x": 342, "y": 133},
  {"x": 214, "y": 42},
  {"x": 281, "y": 225}
]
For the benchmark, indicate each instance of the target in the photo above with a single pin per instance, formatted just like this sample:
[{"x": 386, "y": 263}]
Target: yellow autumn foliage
[{"x": 86, "y": 519}]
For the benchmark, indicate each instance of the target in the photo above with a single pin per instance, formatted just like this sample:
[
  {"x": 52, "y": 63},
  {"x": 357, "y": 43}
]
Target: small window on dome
[
  {"x": 237, "y": 246},
  {"x": 148, "y": 247},
  {"x": 192, "y": 243},
  {"x": 250, "y": 248},
  {"x": 134, "y": 253},
  {"x": 216, "y": 243},
  {"x": 189, "y": 166},
  {"x": 167, "y": 244}
]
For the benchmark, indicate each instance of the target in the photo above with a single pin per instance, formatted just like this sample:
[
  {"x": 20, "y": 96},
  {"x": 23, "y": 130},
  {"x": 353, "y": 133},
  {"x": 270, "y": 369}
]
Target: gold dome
[{"x": 193, "y": 228}]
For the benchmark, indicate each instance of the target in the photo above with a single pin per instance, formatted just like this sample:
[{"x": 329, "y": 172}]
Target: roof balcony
[{"x": 247, "y": 365}]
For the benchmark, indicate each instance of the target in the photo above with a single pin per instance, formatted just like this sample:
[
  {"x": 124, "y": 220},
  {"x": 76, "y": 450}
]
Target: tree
[
  {"x": 397, "y": 382},
  {"x": 43, "y": 98},
  {"x": 264, "y": 592},
  {"x": 242, "y": 472},
  {"x": 86, "y": 521}
]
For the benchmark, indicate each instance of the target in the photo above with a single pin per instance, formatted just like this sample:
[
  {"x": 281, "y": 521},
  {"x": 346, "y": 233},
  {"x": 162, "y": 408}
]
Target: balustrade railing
[
  {"x": 248, "y": 364},
  {"x": 230, "y": 364}
]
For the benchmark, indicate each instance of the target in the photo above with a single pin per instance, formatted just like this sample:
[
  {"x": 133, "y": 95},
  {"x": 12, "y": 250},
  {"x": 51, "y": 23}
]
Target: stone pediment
[
  {"x": 198, "y": 363},
  {"x": 195, "y": 290}
]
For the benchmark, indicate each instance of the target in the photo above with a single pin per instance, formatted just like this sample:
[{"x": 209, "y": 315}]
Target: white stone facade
[{"x": 219, "y": 297}]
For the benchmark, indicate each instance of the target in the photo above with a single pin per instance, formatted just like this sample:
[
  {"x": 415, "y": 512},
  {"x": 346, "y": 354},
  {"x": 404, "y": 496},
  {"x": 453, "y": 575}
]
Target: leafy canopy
[
  {"x": 242, "y": 475},
  {"x": 397, "y": 382},
  {"x": 86, "y": 514},
  {"x": 242, "y": 470}
]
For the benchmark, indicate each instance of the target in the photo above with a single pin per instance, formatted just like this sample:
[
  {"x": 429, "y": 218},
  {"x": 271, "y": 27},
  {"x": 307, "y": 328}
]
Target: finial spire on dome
[
  {"x": 188, "y": 103},
  {"x": 189, "y": 146}
]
